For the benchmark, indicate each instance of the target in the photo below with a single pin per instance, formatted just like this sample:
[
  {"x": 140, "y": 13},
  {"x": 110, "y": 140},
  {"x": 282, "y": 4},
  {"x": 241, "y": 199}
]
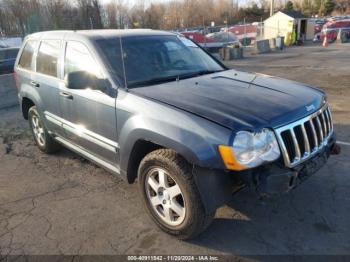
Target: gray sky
[{"x": 133, "y": 2}]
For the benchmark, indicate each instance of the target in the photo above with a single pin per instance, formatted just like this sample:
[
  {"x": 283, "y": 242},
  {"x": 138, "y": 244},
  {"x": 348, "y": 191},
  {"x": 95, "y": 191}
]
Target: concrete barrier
[
  {"x": 262, "y": 46},
  {"x": 272, "y": 43},
  {"x": 229, "y": 53},
  {"x": 342, "y": 37},
  {"x": 8, "y": 91}
]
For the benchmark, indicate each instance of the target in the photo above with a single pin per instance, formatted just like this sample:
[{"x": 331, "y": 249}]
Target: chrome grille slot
[
  {"x": 323, "y": 121},
  {"x": 328, "y": 120},
  {"x": 304, "y": 138},
  {"x": 300, "y": 139}
]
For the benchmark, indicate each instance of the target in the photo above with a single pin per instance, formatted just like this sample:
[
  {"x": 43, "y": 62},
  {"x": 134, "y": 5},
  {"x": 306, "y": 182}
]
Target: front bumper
[
  {"x": 216, "y": 187},
  {"x": 276, "y": 178}
]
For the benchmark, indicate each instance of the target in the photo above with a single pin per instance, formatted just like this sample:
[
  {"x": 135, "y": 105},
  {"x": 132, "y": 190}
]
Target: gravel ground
[{"x": 63, "y": 204}]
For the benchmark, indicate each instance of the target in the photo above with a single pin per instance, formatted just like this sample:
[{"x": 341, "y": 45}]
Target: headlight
[{"x": 250, "y": 150}]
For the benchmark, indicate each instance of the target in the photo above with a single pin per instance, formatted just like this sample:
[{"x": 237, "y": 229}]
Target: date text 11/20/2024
[{"x": 174, "y": 258}]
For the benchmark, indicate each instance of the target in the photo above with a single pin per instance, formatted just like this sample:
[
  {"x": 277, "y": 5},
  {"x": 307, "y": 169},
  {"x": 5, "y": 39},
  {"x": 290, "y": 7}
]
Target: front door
[{"x": 89, "y": 118}]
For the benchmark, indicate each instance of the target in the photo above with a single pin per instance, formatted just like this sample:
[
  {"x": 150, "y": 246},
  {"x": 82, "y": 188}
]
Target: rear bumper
[{"x": 216, "y": 187}]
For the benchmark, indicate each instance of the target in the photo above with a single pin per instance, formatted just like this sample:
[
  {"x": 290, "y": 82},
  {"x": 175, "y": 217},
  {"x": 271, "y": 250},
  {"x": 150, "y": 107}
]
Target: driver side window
[{"x": 78, "y": 58}]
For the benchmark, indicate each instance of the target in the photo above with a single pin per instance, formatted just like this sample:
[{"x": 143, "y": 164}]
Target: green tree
[
  {"x": 316, "y": 6},
  {"x": 305, "y": 7},
  {"x": 289, "y": 6},
  {"x": 329, "y": 7}
]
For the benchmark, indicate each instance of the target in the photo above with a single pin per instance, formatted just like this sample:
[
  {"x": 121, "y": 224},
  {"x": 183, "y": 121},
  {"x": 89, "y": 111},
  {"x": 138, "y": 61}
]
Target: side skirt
[{"x": 111, "y": 168}]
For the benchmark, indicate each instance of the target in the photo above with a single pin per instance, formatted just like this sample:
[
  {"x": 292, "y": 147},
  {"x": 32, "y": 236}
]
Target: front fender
[
  {"x": 150, "y": 135},
  {"x": 193, "y": 137}
]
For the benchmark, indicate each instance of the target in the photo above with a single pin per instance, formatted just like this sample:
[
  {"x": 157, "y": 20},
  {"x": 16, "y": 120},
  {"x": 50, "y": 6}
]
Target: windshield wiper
[
  {"x": 160, "y": 80},
  {"x": 199, "y": 73},
  {"x": 153, "y": 81}
]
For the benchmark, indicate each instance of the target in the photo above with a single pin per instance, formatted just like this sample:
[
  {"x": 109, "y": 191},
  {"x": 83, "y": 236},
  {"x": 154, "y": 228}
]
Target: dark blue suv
[{"x": 153, "y": 106}]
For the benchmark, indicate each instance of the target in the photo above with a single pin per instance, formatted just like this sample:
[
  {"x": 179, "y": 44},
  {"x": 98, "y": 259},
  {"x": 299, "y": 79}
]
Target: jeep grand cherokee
[{"x": 154, "y": 106}]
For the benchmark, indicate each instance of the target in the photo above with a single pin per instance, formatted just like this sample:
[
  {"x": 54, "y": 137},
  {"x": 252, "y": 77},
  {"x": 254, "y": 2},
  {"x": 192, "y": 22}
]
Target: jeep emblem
[{"x": 310, "y": 107}]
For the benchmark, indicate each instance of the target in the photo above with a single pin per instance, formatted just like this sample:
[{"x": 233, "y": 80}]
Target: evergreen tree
[
  {"x": 329, "y": 7},
  {"x": 316, "y": 6},
  {"x": 305, "y": 7},
  {"x": 289, "y": 6}
]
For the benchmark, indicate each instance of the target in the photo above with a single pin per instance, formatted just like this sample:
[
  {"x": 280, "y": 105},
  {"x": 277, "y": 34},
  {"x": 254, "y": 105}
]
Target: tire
[
  {"x": 177, "y": 192},
  {"x": 41, "y": 136}
]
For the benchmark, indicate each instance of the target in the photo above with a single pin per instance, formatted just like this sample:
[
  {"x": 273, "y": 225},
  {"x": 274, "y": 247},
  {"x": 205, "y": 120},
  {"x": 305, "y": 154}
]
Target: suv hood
[{"x": 239, "y": 100}]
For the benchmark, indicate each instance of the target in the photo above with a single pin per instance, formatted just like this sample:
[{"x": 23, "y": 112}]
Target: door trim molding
[
  {"x": 82, "y": 132},
  {"x": 91, "y": 157}
]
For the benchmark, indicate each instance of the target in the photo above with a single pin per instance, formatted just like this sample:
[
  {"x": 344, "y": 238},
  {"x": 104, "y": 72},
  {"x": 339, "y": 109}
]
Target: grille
[{"x": 304, "y": 138}]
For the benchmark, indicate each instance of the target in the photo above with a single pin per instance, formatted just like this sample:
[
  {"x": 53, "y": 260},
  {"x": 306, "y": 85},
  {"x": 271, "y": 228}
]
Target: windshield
[{"x": 154, "y": 59}]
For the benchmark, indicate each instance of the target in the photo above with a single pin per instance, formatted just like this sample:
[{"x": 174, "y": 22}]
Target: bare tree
[
  {"x": 56, "y": 11},
  {"x": 90, "y": 14},
  {"x": 111, "y": 13},
  {"x": 343, "y": 6},
  {"x": 154, "y": 16},
  {"x": 26, "y": 16},
  {"x": 19, "y": 11}
]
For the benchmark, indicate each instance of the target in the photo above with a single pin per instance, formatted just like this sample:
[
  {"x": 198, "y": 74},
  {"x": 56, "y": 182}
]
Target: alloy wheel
[
  {"x": 165, "y": 196},
  {"x": 38, "y": 130}
]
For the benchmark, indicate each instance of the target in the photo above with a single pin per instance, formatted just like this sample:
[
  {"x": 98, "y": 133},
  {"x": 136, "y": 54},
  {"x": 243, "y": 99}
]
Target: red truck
[{"x": 332, "y": 28}]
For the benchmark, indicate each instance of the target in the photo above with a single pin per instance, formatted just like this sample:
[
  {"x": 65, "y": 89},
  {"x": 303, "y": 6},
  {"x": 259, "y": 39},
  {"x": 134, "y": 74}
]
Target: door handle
[
  {"x": 66, "y": 95},
  {"x": 35, "y": 84}
]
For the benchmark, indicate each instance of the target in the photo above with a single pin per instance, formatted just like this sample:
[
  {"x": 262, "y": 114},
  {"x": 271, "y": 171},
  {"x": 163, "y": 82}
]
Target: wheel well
[
  {"x": 26, "y": 105},
  {"x": 140, "y": 150}
]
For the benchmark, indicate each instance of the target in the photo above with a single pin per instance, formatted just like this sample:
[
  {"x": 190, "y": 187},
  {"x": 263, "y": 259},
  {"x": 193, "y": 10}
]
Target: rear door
[
  {"x": 46, "y": 81},
  {"x": 89, "y": 115},
  {"x": 25, "y": 69}
]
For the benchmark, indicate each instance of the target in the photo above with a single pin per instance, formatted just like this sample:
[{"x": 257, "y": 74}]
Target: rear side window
[
  {"x": 47, "y": 58},
  {"x": 25, "y": 61}
]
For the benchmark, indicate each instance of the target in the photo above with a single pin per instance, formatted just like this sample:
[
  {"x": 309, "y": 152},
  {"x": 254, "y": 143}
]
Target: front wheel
[{"x": 171, "y": 196}]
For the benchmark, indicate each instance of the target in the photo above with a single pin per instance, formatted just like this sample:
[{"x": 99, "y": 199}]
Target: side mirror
[{"x": 84, "y": 80}]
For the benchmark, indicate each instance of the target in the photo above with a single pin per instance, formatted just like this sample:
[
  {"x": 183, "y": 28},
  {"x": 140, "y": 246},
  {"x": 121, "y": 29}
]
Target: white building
[{"x": 284, "y": 22}]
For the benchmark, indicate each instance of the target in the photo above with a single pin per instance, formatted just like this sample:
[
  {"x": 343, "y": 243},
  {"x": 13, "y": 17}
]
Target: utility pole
[
  {"x": 272, "y": 7},
  {"x": 91, "y": 24}
]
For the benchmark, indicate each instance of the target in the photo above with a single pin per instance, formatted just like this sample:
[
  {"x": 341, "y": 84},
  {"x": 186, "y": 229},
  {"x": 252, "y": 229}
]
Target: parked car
[
  {"x": 154, "y": 107},
  {"x": 224, "y": 38},
  {"x": 3, "y": 45},
  {"x": 318, "y": 25},
  {"x": 213, "y": 41},
  {"x": 246, "y": 33},
  {"x": 198, "y": 38},
  {"x": 332, "y": 28},
  {"x": 10, "y": 42},
  {"x": 317, "y": 38},
  {"x": 7, "y": 59}
]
